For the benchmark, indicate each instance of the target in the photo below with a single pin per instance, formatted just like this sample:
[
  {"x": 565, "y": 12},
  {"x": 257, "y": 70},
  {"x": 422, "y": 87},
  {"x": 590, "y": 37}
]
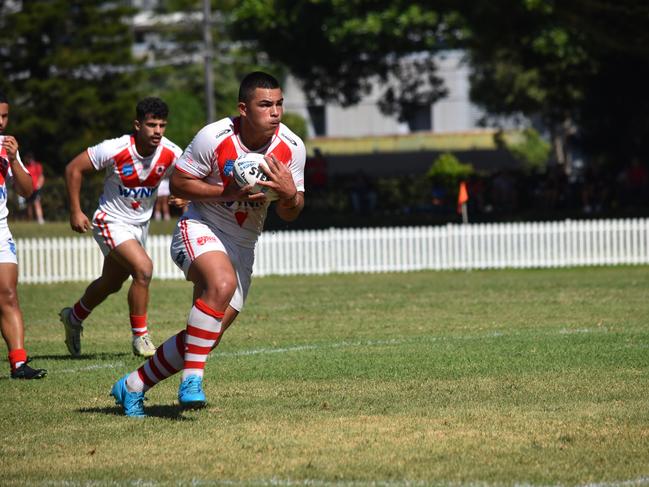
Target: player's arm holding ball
[
  {"x": 194, "y": 165},
  {"x": 280, "y": 179}
]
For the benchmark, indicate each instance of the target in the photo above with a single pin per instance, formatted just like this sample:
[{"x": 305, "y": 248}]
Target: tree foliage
[
  {"x": 447, "y": 171},
  {"x": 338, "y": 48},
  {"x": 177, "y": 71},
  {"x": 577, "y": 65},
  {"x": 527, "y": 147},
  {"x": 68, "y": 70}
]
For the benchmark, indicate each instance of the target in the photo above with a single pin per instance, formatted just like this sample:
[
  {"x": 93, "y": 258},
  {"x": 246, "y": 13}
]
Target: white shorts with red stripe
[
  {"x": 192, "y": 238},
  {"x": 109, "y": 233},
  {"x": 7, "y": 246}
]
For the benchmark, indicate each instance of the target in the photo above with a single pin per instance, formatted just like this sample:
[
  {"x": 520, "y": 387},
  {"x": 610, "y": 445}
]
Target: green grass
[
  {"x": 27, "y": 229},
  {"x": 533, "y": 377}
]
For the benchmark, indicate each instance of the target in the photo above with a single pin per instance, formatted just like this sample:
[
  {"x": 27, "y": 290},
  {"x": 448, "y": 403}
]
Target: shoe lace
[
  {"x": 192, "y": 385},
  {"x": 135, "y": 402}
]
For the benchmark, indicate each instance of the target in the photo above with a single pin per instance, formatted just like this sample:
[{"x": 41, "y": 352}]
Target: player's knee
[
  {"x": 143, "y": 274},
  {"x": 222, "y": 288},
  {"x": 8, "y": 296}
]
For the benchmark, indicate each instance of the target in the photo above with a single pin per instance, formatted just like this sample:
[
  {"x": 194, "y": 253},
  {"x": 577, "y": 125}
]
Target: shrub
[
  {"x": 447, "y": 171},
  {"x": 530, "y": 149}
]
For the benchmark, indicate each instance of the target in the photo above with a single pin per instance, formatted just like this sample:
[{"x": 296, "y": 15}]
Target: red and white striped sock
[
  {"x": 203, "y": 332},
  {"x": 167, "y": 361},
  {"x": 17, "y": 357},
  {"x": 79, "y": 313},
  {"x": 172, "y": 355},
  {"x": 138, "y": 325}
]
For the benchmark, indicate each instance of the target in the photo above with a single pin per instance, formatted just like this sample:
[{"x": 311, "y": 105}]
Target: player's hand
[
  {"x": 233, "y": 192},
  {"x": 79, "y": 222},
  {"x": 177, "y": 202},
  {"x": 280, "y": 178},
  {"x": 10, "y": 144}
]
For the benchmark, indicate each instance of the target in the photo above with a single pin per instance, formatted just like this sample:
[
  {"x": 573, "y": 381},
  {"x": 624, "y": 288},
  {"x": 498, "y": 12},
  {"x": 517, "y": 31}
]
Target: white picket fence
[{"x": 399, "y": 249}]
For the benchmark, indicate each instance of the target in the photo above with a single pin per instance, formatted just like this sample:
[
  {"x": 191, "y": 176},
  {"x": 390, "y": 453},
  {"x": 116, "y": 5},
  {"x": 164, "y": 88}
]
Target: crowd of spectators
[{"x": 506, "y": 194}]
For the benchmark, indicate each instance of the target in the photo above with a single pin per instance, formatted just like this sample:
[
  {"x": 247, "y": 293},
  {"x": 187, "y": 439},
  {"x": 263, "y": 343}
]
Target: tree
[
  {"x": 571, "y": 64},
  {"x": 174, "y": 68},
  {"x": 68, "y": 69},
  {"x": 175, "y": 71},
  {"x": 338, "y": 48},
  {"x": 561, "y": 62}
]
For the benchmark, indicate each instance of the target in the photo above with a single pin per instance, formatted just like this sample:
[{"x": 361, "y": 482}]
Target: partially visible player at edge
[
  {"x": 11, "y": 318},
  {"x": 134, "y": 164},
  {"x": 214, "y": 242}
]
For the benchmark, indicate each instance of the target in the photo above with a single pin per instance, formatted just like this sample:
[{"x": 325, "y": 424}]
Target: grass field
[
  {"x": 528, "y": 377},
  {"x": 27, "y": 229}
]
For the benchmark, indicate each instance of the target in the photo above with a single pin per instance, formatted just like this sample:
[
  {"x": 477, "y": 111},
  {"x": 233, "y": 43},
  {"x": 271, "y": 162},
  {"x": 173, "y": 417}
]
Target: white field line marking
[
  {"x": 393, "y": 341},
  {"x": 276, "y": 482},
  {"x": 346, "y": 344},
  {"x": 113, "y": 365}
]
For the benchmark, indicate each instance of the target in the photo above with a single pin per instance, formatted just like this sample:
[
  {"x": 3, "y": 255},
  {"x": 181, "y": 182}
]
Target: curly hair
[{"x": 151, "y": 106}]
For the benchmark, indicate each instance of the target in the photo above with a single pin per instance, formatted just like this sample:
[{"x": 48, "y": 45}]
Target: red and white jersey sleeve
[
  {"x": 210, "y": 157},
  {"x": 5, "y": 177},
  {"x": 131, "y": 181}
]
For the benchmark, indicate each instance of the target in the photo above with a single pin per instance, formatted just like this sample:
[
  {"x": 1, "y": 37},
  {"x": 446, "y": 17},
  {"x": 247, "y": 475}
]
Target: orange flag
[{"x": 462, "y": 197}]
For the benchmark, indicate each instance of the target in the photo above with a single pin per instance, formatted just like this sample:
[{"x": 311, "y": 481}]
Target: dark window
[
  {"x": 318, "y": 118},
  {"x": 419, "y": 118}
]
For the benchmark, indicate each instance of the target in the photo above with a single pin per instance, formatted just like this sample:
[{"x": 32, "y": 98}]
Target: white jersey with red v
[
  {"x": 131, "y": 180},
  {"x": 210, "y": 157},
  {"x": 5, "y": 175}
]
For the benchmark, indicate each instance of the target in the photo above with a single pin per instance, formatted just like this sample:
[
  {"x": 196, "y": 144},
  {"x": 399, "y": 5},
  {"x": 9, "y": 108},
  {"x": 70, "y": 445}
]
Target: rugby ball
[{"x": 247, "y": 171}]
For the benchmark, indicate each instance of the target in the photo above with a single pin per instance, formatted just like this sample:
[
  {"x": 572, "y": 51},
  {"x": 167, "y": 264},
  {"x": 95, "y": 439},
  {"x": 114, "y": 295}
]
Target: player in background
[
  {"x": 11, "y": 317},
  {"x": 214, "y": 242},
  {"x": 34, "y": 206},
  {"x": 134, "y": 165}
]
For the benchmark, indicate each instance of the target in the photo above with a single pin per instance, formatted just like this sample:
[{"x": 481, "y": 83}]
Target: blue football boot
[
  {"x": 190, "y": 393},
  {"x": 131, "y": 402}
]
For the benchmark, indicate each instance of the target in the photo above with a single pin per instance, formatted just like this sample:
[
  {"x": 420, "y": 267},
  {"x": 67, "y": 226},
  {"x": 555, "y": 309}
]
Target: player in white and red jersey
[
  {"x": 214, "y": 241},
  {"x": 11, "y": 317},
  {"x": 134, "y": 165}
]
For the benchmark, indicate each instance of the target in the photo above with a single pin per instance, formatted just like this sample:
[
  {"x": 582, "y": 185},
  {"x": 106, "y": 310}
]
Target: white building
[{"x": 453, "y": 113}]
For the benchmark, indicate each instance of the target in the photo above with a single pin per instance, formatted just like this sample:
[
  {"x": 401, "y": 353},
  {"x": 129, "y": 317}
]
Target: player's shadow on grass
[
  {"x": 86, "y": 356},
  {"x": 161, "y": 411}
]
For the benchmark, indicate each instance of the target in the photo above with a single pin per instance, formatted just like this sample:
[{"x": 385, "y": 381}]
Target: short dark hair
[
  {"x": 151, "y": 106},
  {"x": 3, "y": 98},
  {"x": 254, "y": 80}
]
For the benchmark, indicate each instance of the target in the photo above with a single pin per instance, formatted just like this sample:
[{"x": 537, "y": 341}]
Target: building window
[
  {"x": 419, "y": 118},
  {"x": 318, "y": 118}
]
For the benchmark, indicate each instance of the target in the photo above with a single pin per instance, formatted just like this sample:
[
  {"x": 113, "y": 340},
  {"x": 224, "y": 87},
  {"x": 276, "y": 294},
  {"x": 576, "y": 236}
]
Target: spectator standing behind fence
[
  {"x": 362, "y": 194},
  {"x": 636, "y": 182},
  {"x": 11, "y": 317},
  {"x": 135, "y": 164},
  {"x": 315, "y": 172},
  {"x": 34, "y": 207},
  {"x": 214, "y": 242}
]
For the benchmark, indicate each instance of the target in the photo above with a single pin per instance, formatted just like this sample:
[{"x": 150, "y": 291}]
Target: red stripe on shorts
[
  {"x": 105, "y": 232},
  {"x": 185, "y": 237}
]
